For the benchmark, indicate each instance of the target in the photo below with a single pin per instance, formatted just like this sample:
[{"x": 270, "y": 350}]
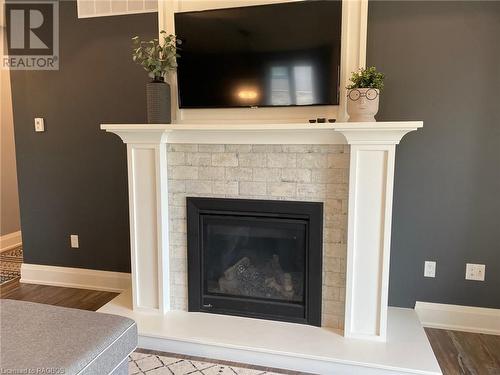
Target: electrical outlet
[
  {"x": 475, "y": 271},
  {"x": 39, "y": 124},
  {"x": 74, "y": 241},
  {"x": 429, "y": 269}
]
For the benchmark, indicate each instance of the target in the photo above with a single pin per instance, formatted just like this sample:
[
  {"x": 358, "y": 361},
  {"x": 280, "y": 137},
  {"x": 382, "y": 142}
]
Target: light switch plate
[
  {"x": 39, "y": 124},
  {"x": 74, "y": 241},
  {"x": 430, "y": 269},
  {"x": 475, "y": 271}
]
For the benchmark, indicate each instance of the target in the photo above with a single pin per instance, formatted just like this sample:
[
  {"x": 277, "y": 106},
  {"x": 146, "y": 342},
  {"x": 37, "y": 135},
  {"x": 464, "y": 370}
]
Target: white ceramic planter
[{"x": 365, "y": 107}]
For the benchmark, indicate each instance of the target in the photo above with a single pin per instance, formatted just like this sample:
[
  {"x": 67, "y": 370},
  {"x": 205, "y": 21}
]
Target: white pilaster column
[
  {"x": 369, "y": 226},
  {"x": 148, "y": 209}
]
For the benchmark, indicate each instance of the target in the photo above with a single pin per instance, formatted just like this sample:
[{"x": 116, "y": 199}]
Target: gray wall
[
  {"x": 73, "y": 177},
  {"x": 442, "y": 61},
  {"x": 9, "y": 202}
]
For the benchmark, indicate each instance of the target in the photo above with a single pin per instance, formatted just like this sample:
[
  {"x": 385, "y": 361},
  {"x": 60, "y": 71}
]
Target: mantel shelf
[{"x": 259, "y": 133}]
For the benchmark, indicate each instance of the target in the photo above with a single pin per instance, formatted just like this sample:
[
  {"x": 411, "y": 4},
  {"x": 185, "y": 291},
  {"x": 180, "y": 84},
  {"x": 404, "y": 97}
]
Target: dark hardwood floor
[
  {"x": 465, "y": 353},
  {"x": 51, "y": 295},
  {"x": 458, "y": 353}
]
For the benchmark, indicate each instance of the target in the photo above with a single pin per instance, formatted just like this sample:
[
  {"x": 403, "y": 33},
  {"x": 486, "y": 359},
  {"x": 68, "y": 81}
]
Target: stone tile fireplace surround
[
  {"x": 294, "y": 161},
  {"x": 347, "y": 166},
  {"x": 318, "y": 173}
]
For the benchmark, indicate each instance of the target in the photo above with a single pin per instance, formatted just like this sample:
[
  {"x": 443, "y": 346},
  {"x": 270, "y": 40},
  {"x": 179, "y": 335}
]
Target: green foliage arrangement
[
  {"x": 366, "y": 78},
  {"x": 158, "y": 59}
]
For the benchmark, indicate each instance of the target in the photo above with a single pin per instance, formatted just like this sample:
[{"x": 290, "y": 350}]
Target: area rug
[
  {"x": 10, "y": 264},
  {"x": 156, "y": 364}
]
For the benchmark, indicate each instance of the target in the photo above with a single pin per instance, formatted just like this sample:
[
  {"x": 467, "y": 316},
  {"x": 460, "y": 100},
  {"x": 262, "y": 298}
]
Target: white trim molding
[
  {"x": 258, "y": 133},
  {"x": 148, "y": 210},
  {"x": 459, "y": 318},
  {"x": 371, "y": 180},
  {"x": 353, "y": 57},
  {"x": 10, "y": 241},
  {"x": 75, "y": 277},
  {"x": 373, "y": 146}
]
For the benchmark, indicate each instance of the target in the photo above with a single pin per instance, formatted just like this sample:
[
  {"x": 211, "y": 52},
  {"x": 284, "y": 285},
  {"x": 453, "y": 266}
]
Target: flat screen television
[{"x": 285, "y": 54}]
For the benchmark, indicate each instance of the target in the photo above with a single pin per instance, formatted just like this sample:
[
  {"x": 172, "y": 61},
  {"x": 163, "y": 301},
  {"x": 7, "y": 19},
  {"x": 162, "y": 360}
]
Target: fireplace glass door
[
  {"x": 245, "y": 259},
  {"x": 254, "y": 257}
]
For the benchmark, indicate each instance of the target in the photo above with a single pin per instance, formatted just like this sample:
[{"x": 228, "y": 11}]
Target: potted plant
[
  {"x": 158, "y": 59},
  {"x": 363, "y": 94}
]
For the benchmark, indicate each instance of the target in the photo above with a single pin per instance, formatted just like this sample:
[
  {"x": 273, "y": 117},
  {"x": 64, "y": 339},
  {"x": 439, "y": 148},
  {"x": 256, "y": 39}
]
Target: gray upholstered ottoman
[{"x": 43, "y": 339}]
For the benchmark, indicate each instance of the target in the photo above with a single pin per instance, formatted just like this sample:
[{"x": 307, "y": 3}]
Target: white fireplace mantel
[
  {"x": 277, "y": 133},
  {"x": 369, "y": 215}
]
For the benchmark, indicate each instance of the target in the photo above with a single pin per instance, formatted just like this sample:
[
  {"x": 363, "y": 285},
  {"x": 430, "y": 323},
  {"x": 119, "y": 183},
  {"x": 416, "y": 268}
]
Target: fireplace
[{"x": 255, "y": 258}]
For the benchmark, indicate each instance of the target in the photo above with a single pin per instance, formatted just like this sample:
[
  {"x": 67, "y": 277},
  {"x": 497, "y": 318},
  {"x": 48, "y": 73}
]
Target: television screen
[{"x": 285, "y": 54}]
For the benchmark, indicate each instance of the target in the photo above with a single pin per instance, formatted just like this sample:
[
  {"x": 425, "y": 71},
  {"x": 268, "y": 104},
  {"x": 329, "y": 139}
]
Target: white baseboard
[
  {"x": 9, "y": 241},
  {"x": 459, "y": 318},
  {"x": 75, "y": 277}
]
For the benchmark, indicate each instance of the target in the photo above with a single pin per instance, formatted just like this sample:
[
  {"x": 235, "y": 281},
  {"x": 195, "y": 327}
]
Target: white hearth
[{"x": 369, "y": 213}]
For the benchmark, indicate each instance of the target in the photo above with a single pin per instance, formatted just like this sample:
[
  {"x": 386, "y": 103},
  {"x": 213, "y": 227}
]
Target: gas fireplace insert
[{"x": 255, "y": 258}]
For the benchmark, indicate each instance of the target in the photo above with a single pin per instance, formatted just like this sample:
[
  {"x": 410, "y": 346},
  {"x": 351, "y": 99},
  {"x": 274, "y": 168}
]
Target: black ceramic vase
[{"x": 158, "y": 101}]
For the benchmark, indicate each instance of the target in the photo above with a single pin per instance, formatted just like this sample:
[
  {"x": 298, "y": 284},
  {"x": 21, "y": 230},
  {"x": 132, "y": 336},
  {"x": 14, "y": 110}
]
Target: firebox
[{"x": 255, "y": 258}]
